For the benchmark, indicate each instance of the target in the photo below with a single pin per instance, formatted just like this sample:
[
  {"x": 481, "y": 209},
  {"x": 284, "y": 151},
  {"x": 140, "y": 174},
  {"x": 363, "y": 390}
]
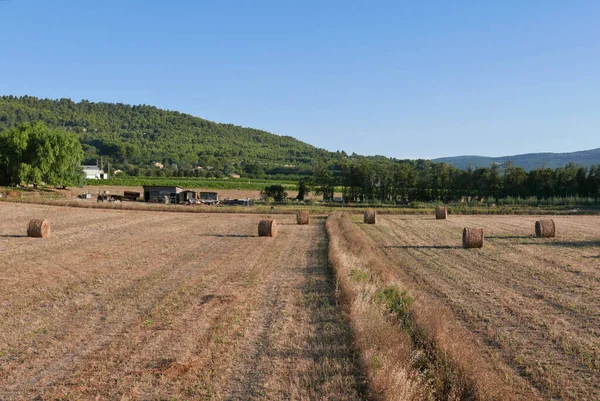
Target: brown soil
[
  {"x": 534, "y": 303},
  {"x": 145, "y": 305}
]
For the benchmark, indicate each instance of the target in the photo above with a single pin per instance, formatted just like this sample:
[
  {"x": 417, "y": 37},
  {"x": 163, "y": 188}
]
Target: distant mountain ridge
[{"x": 529, "y": 161}]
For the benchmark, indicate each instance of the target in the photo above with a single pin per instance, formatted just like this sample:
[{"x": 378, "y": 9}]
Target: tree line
[{"x": 384, "y": 180}]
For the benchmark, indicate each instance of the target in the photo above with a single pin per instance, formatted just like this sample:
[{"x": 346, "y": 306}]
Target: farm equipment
[
  {"x": 109, "y": 198},
  {"x": 239, "y": 202}
]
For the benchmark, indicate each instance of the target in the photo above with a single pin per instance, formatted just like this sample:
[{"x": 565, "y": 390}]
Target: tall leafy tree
[
  {"x": 276, "y": 192},
  {"x": 303, "y": 189},
  {"x": 323, "y": 180},
  {"x": 513, "y": 180},
  {"x": 34, "y": 153}
]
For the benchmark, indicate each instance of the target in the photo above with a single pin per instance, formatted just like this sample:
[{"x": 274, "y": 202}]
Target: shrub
[
  {"x": 395, "y": 301},
  {"x": 359, "y": 275},
  {"x": 276, "y": 192}
]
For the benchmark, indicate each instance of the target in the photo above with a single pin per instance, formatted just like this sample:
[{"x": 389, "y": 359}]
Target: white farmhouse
[{"x": 94, "y": 172}]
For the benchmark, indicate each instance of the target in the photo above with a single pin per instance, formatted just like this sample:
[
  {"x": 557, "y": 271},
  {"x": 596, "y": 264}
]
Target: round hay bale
[
  {"x": 545, "y": 229},
  {"x": 441, "y": 213},
  {"x": 303, "y": 217},
  {"x": 267, "y": 228},
  {"x": 370, "y": 217},
  {"x": 38, "y": 228},
  {"x": 473, "y": 238}
]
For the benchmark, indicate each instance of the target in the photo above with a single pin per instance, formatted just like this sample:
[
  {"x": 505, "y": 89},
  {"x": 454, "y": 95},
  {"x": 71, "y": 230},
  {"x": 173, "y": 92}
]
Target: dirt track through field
[
  {"x": 143, "y": 305},
  {"x": 534, "y": 302}
]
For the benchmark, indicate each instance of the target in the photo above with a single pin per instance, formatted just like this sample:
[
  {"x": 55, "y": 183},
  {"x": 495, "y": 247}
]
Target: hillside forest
[{"x": 144, "y": 141}]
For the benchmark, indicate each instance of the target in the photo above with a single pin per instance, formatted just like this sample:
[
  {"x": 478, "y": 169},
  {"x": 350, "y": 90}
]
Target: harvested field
[
  {"x": 145, "y": 305},
  {"x": 532, "y": 303}
]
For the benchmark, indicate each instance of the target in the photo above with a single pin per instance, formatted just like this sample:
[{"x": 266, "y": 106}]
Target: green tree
[
  {"x": 494, "y": 180},
  {"x": 514, "y": 180},
  {"x": 29, "y": 174},
  {"x": 303, "y": 189},
  {"x": 276, "y": 192},
  {"x": 13, "y": 149},
  {"x": 33, "y": 153},
  {"x": 323, "y": 181}
]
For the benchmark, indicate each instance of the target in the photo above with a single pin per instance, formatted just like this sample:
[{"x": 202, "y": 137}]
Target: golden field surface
[
  {"x": 139, "y": 304},
  {"x": 531, "y": 303},
  {"x": 127, "y": 305}
]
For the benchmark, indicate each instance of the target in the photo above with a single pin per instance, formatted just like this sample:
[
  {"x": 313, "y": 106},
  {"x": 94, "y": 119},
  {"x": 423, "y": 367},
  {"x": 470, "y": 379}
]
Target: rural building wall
[{"x": 158, "y": 193}]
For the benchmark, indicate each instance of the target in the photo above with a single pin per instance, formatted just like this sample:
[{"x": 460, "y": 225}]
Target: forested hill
[
  {"x": 134, "y": 138},
  {"x": 529, "y": 161}
]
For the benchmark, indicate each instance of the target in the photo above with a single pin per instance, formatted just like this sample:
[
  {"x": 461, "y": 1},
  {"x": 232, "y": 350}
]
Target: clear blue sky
[{"x": 406, "y": 79}]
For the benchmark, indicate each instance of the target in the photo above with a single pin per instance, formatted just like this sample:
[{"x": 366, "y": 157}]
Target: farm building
[
  {"x": 209, "y": 198},
  {"x": 162, "y": 194},
  {"x": 131, "y": 196},
  {"x": 94, "y": 172},
  {"x": 187, "y": 196}
]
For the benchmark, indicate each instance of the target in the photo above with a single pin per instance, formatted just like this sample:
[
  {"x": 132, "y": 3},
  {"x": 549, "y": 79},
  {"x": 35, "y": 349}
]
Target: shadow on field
[
  {"x": 568, "y": 244},
  {"x": 332, "y": 338},
  {"x": 422, "y": 246},
  {"x": 509, "y": 236},
  {"x": 13, "y": 236},
  {"x": 228, "y": 235}
]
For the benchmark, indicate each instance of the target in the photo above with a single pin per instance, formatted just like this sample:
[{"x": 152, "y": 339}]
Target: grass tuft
[
  {"x": 395, "y": 301},
  {"x": 359, "y": 276}
]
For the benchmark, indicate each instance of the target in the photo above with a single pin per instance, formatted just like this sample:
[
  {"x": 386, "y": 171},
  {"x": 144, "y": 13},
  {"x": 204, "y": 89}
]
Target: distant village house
[{"x": 94, "y": 173}]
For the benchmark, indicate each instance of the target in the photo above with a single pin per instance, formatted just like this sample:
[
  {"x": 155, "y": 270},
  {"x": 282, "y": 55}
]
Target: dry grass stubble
[
  {"x": 532, "y": 302},
  {"x": 143, "y": 305},
  {"x": 424, "y": 354}
]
